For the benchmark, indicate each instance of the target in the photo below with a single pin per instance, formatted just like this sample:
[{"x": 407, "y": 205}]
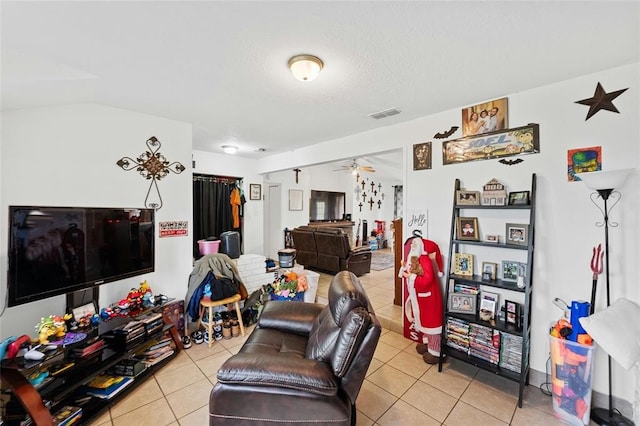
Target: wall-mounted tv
[
  {"x": 326, "y": 206},
  {"x": 58, "y": 250}
]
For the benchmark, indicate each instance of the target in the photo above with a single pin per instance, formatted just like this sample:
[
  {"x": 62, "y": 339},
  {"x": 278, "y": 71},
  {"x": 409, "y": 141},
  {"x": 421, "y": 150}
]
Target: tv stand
[{"x": 31, "y": 399}]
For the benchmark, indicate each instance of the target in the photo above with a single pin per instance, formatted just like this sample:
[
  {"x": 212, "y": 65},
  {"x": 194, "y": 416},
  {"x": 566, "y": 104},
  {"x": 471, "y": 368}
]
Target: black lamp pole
[{"x": 603, "y": 416}]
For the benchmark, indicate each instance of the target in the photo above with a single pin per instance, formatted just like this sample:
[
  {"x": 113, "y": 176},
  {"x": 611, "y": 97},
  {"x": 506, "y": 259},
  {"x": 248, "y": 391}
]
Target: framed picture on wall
[
  {"x": 295, "y": 199},
  {"x": 255, "y": 191},
  {"x": 422, "y": 156}
]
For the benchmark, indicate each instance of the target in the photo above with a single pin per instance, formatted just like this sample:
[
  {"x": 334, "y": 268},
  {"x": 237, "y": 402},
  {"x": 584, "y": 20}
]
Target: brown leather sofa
[
  {"x": 303, "y": 364},
  {"x": 328, "y": 249}
]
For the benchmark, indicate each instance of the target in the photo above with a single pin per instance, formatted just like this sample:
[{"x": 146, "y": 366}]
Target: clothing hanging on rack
[{"x": 235, "y": 206}]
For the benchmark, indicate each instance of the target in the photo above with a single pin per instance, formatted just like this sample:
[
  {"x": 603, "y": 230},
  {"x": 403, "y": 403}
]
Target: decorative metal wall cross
[{"x": 152, "y": 166}]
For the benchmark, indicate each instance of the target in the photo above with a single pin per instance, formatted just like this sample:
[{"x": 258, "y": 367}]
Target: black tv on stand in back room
[
  {"x": 326, "y": 206},
  {"x": 59, "y": 250}
]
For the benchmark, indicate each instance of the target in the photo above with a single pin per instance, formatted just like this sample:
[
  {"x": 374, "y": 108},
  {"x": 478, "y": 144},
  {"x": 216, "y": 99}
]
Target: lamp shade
[
  {"x": 605, "y": 180},
  {"x": 305, "y": 67}
]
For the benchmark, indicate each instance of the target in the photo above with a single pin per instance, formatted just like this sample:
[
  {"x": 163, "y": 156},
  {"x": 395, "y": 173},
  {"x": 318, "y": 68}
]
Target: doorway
[{"x": 273, "y": 235}]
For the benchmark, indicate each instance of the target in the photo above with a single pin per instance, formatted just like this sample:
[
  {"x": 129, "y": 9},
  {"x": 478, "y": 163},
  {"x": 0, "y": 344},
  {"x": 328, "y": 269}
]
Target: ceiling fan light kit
[{"x": 305, "y": 67}]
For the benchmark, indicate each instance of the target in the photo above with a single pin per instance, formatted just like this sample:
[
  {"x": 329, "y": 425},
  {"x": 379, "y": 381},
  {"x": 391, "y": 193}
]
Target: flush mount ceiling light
[
  {"x": 229, "y": 149},
  {"x": 305, "y": 67}
]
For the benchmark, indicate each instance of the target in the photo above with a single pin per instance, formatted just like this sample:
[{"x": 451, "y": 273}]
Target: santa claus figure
[{"x": 421, "y": 267}]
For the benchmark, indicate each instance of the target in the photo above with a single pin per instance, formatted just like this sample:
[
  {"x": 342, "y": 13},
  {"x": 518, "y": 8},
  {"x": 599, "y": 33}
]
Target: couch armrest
[
  {"x": 361, "y": 249},
  {"x": 277, "y": 371},
  {"x": 292, "y": 317}
]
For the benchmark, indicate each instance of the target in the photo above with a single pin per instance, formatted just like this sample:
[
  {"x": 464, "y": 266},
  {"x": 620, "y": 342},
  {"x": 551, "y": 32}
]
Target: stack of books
[
  {"x": 156, "y": 352},
  {"x": 106, "y": 386},
  {"x": 458, "y": 334},
  {"x": 511, "y": 352},
  {"x": 482, "y": 343},
  {"x": 93, "y": 347},
  {"x": 465, "y": 289}
]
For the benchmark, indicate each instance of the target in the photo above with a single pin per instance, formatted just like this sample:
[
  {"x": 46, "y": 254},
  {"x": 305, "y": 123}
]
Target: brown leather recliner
[
  {"x": 304, "y": 363},
  {"x": 329, "y": 250}
]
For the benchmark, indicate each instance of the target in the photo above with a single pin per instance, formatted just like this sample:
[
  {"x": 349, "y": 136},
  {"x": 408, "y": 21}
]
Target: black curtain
[{"x": 211, "y": 208}]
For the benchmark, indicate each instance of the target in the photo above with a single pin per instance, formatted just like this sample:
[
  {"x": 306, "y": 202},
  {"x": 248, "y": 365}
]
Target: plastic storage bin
[
  {"x": 571, "y": 376},
  {"x": 208, "y": 247},
  {"x": 312, "y": 278}
]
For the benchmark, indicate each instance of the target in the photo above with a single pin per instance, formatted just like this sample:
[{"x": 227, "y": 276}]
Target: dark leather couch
[
  {"x": 303, "y": 364},
  {"x": 328, "y": 249}
]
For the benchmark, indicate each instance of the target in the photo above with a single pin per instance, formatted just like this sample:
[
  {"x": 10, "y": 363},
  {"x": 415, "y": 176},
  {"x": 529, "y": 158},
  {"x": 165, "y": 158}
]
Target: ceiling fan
[{"x": 354, "y": 168}]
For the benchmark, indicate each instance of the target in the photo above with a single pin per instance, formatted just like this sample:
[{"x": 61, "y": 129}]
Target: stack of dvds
[
  {"x": 482, "y": 343},
  {"x": 126, "y": 336},
  {"x": 153, "y": 323},
  {"x": 458, "y": 334},
  {"x": 511, "y": 352}
]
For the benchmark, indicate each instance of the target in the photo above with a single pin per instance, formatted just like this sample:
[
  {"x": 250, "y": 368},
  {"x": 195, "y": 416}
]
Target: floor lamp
[{"x": 604, "y": 185}]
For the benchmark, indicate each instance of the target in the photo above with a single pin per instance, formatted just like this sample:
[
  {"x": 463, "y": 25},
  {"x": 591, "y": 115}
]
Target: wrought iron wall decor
[{"x": 151, "y": 165}]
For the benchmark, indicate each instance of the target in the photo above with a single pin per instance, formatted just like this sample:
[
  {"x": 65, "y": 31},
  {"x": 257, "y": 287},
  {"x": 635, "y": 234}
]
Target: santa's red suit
[{"x": 423, "y": 291}]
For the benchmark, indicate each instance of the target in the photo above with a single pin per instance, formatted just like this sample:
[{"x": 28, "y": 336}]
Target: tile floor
[{"x": 400, "y": 389}]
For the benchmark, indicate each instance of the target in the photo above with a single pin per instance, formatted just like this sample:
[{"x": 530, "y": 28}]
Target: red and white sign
[{"x": 176, "y": 228}]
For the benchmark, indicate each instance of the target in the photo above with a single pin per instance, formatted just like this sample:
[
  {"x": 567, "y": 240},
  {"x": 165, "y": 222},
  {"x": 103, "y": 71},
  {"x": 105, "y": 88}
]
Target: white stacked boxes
[{"x": 252, "y": 270}]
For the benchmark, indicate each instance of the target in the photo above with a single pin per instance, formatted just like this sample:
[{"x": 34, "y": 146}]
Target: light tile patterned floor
[{"x": 400, "y": 389}]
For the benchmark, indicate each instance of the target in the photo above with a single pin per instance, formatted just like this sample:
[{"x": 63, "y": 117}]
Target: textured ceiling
[{"x": 222, "y": 65}]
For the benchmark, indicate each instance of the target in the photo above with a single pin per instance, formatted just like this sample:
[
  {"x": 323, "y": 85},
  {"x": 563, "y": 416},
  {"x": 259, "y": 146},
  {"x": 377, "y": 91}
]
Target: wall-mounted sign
[
  {"x": 175, "y": 228},
  {"x": 503, "y": 143}
]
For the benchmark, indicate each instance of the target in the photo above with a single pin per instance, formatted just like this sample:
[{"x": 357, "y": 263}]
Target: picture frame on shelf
[
  {"x": 83, "y": 311},
  {"x": 510, "y": 270},
  {"x": 492, "y": 238},
  {"x": 467, "y": 198},
  {"x": 255, "y": 191},
  {"x": 519, "y": 198},
  {"x": 463, "y": 264},
  {"x": 517, "y": 234},
  {"x": 467, "y": 228},
  {"x": 512, "y": 313},
  {"x": 488, "y": 305},
  {"x": 489, "y": 271},
  {"x": 462, "y": 303}
]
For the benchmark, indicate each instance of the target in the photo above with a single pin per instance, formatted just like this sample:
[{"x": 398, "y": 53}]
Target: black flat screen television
[
  {"x": 325, "y": 206},
  {"x": 58, "y": 250}
]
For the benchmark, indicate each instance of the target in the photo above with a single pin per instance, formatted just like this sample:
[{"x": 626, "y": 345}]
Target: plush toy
[{"x": 414, "y": 266}]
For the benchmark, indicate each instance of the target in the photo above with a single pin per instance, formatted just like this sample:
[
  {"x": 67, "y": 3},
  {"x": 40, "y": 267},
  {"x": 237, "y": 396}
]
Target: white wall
[
  {"x": 66, "y": 156},
  {"x": 228, "y": 165},
  {"x": 565, "y": 219}
]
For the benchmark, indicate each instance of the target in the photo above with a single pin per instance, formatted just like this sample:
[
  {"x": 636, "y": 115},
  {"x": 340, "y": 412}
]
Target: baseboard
[{"x": 537, "y": 378}]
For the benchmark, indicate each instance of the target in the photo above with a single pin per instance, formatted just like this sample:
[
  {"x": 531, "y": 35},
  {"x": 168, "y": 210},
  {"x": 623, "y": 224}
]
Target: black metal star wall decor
[
  {"x": 152, "y": 166},
  {"x": 601, "y": 100}
]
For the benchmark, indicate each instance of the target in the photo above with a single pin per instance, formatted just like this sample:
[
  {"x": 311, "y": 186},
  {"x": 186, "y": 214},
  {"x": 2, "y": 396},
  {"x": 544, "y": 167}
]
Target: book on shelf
[
  {"x": 107, "y": 386},
  {"x": 67, "y": 415}
]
